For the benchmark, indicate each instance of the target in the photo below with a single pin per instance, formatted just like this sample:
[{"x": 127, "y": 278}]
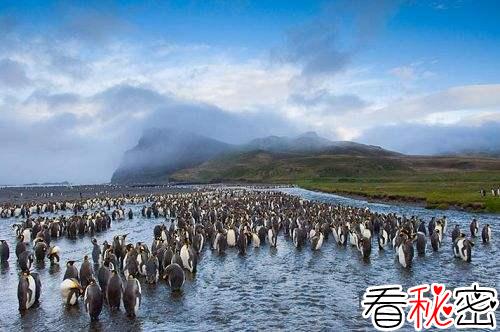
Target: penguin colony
[{"x": 214, "y": 219}]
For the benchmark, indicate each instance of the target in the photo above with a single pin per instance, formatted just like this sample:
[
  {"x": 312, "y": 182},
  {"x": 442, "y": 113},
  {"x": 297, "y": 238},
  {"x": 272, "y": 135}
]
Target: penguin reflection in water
[{"x": 28, "y": 290}]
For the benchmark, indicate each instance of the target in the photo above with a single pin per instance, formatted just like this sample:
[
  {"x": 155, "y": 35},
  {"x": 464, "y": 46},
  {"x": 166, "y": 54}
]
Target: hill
[{"x": 161, "y": 152}]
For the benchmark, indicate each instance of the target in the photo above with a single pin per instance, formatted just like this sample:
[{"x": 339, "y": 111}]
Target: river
[{"x": 277, "y": 289}]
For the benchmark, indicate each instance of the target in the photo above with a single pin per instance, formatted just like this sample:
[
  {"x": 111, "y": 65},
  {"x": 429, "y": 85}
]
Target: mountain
[
  {"x": 311, "y": 142},
  {"x": 161, "y": 152}
]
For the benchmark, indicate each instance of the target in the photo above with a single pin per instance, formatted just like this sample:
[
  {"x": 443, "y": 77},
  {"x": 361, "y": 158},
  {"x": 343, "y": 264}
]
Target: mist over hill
[{"x": 163, "y": 152}]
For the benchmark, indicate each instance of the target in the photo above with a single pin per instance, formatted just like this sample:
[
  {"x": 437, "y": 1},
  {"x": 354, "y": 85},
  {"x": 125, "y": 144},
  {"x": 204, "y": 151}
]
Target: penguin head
[{"x": 70, "y": 263}]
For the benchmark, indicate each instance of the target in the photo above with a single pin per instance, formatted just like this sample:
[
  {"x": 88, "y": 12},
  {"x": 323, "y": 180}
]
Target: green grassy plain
[
  {"x": 435, "y": 182},
  {"x": 433, "y": 190}
]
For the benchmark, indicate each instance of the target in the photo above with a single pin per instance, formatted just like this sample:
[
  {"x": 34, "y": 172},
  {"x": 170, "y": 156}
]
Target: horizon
[{"x": 80, "y": 82}]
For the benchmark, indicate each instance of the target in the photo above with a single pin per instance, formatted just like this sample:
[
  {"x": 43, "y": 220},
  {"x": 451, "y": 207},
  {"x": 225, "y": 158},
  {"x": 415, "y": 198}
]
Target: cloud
[
  {"x": 314, "y": 47},
  {"x": 12, "y": 74},
  {"x": 435, "y": 139},
  {"x": 327, "y": 103}
]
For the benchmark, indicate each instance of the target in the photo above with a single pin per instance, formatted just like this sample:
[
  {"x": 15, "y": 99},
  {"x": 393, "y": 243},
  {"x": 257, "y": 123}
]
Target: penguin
[
  {"x": 231, "y": 237},
  {"x": 383, "y": 239},
  {"x": 86, "y": 272},
  {"x": 20, "y": 246},
  {"x": 298, "y": 237},
  {"x": 220, "y": 243},
  {"x": 462, "y": 248},
  {"x": 405, "y": 253},
  {"x": 132, "y": 296},
  {"x": 486, "y": 233},
  {"x": 432, "y": 226},
  {"x": 272, "y": 237},
  {"x": 365, "y": 247},
  {"x": 474, "y": 228},
  {"x": 422, "y": 228},
  {"x": 317, "y": 241},
  {"x": 174, "y": 274},
  {"x": 114, "y": 290},
  {"x": 4, "y": 251},
  {"x": 96, "y": 252},
  {"x": 28, "y": 290},
  {"x": 71, "y": 271},
  {"x": 455, "y": 233},
  {"x": 152, "y": 270},
  {"x": 53, "y": 255},
  {"x": 435, "y": 240},
  {"x": 40, "y": 250},
  {"x": 130, "y": 214},
  {"x": 93, "y": 300},
  {"x": 242, "y": 242},
  {"x": 189, "y": 258},
  {"x": 421, "y": 243},
  {"x": 103, "y": 275},
  {"x": 131, "y": 268},
  {"x": 255, "y": 240},
  {"x": 70, "y": 291},
  {"x": 25, "y": 261}
]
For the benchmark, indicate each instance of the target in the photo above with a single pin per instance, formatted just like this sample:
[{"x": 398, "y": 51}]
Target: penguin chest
[
  {"x": 231, "y": 238},
  {"x": 320, "y": 242},
  {"x": 255, "y": 240},
  {"x": 401, "y": 256},
  {"x": 186, "y": 258},
  {"x": 30, "y": 299}
]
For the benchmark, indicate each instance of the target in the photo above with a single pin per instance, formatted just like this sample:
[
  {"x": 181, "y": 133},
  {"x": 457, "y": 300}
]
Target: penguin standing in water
[
  {"x": 70, "y": 291},
  {"x": 174, "y": 274},
  {"x": 474, "y": 228},
  {"x": 189, "y": 257},
  {"x": 103, "y": 275},
  {"x": 114, "y": 290},
  {"x": 405, "y": 253},
  {"x": 365, "y": 247},
  {"x": 462, "y": 248},
  {"x": 435, "y": 240},
  {"x": 4, "y": 251},
  {"x": 455, "y": 233},
  {"x": 40, "y": 250},
  {"x": 71, "y": 271},
  {"x": 93, "y": 300},
  {"x": 317, "y": 241},
  {"x": 272, "y": 237},
  {"x": 86, "y": 272},
  {"x": 130, "y": 214},
  {"x": 242, "y": 242},
  {"x": 20, "y": 246},
  {"x": 383, "y": 238},
  {"x": 132, "y": 296},
  {"x": 220, "y": 243},
  {"x": 96, "y": 252},
  {"x": 25, "y": 261},
  {"x": 421, "y": 243},
  {"x": 28, "y": 290},
  {"x": 152, "y": 270},
  {"x": 486, "y": 233}
]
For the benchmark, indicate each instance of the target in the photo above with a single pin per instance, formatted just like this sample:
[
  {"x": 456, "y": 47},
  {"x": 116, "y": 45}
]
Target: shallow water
[{"x": 279, "y": 289}]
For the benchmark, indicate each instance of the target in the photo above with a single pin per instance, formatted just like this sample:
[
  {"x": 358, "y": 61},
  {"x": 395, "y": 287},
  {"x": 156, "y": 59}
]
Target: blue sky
[{"x": 88, "y": 77}]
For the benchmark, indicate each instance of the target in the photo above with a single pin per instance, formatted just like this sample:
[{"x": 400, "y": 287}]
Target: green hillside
[{"x": 436, "y": 182}]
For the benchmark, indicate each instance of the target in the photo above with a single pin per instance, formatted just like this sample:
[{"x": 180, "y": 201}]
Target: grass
[
  {"x": 435, "y": 182},
  {"x": 434, "y": 190}
]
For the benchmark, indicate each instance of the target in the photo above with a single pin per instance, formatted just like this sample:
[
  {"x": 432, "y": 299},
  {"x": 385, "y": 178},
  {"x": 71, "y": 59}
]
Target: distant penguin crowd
[{"x": 218, "y": 219}]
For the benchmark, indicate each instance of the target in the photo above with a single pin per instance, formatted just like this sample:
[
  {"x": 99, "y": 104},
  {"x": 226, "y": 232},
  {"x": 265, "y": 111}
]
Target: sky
[{"x": 80, "y": 81}]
